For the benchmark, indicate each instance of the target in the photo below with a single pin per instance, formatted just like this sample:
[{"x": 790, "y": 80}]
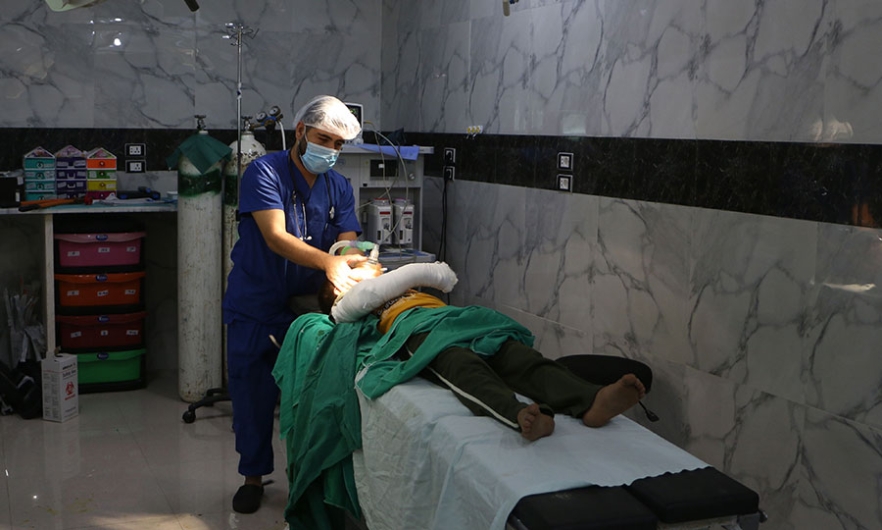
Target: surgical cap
[{"x": 330, "y": 115}]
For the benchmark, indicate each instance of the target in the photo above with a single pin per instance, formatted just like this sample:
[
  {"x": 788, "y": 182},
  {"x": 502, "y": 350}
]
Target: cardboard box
[{"x": 60, "y": 387}]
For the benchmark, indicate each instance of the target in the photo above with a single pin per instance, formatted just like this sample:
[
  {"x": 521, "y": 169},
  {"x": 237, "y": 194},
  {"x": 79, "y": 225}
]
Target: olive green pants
[{"x": 487, "y": 385}]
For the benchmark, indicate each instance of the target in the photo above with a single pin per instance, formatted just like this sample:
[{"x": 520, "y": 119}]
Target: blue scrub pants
[{"x": 253, "y": 391}]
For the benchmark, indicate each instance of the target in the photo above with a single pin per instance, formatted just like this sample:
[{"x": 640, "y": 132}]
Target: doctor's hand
[{"x": 339, "y": 271}]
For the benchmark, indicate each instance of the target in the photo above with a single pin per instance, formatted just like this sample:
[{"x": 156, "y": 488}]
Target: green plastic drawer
[{"x": 109, "y": 367}]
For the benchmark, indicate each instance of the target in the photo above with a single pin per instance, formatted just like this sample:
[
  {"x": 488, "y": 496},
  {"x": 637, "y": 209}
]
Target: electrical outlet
[
  {"x": 565, "y": 161},
  {"x": 136, "y": 150},
  {"x": 565, "y": 182},
  {"x": 136, "y": 166},
  {"x": 449, "y": 156},
  {"x": 449, "y": 173}
]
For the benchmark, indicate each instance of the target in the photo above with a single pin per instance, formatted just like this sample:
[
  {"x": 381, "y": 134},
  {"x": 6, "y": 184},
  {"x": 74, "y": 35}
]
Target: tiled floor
[{"x": 129, "y": 462}]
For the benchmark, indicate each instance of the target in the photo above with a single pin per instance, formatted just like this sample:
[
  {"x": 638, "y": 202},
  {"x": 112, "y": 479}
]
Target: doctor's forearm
[{"x": 295, "y": 250}]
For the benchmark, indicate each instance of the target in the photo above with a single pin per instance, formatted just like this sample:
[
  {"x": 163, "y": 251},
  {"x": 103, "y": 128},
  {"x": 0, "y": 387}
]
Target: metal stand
[{"x": 236, "y": 33}]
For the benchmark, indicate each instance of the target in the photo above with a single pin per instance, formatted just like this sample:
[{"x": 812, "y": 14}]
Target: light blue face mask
[{"x": 317, "y": 158}]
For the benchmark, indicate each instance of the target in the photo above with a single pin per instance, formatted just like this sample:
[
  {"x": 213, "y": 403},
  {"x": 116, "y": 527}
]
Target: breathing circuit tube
[{"x": 364, "y": 246}]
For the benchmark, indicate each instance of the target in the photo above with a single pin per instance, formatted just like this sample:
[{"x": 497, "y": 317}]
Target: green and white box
[{"x": 60, "y": 387}]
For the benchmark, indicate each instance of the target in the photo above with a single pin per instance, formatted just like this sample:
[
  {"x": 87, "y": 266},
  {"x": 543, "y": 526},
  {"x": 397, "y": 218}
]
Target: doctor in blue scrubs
[{"x": 292, "y": 207}]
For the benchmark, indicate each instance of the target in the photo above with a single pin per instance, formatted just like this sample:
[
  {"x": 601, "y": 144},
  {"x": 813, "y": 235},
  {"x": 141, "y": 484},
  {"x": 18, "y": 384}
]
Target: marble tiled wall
[
  {"x": 763, "y": 331},
  {"x": 154, "y": 64},
  {"x": 782, "y": 70}
]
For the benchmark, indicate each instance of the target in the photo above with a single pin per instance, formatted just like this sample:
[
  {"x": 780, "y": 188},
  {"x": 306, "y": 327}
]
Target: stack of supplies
[
  {"x": 70, "y": 173},
  {"x": 39, "y": 168}
]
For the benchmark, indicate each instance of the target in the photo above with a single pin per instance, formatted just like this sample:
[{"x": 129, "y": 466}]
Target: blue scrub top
[{"x": 261, "y": 281}]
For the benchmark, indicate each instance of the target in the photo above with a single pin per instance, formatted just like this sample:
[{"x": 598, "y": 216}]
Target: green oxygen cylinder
[{"x": 199, "y": 161}]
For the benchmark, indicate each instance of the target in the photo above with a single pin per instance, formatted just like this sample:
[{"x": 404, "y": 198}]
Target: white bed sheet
[{"x": 428, "y": 463}]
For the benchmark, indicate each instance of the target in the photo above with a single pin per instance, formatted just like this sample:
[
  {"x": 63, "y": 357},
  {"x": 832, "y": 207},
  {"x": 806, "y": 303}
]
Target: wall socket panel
[
  {"x": 136, "y": 166},
  {"x": 449, "y": 156},
  {"x": 565, "y": 161},
  {"x": 449, "y": 173},
  {"x": 136, "y": 150},
  {"x": 565, "y": 182}
]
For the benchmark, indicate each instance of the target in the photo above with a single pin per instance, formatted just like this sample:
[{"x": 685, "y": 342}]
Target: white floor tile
[
  {"x": 262, "y": 520},
  {"x": 129, "y": 462},
  {"x": 5, "y": 515},
  {"x": 114, "y": 495}
]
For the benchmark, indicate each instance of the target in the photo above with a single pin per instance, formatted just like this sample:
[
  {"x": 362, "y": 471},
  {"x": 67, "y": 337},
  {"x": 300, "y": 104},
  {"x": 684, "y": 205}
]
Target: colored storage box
[
  {"x": 98, "y": 195},
  {"x": 39, "y": 185},
  {"x": 39, "y": 159},
  {"x": 69, "y": 157},
  {"x": 100, "y": 158},
  {"x": 42, "y": 174},
  {"x": 70, "y": 188},
  {"x": 110, "y": 367},
  {"x": 94, "y": 332},
  {"x": 100, "y": 185},
  {"x": 71, "y": 174},
  {"x": 90, "y": 290},
  {"x": 99, "y": 250},
  {"x": 39, "y": 195},
  {"x": 103, "y": 174}
]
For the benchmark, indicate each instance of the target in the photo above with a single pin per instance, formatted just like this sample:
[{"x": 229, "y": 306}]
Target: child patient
[{"x": 487, "y": 383}]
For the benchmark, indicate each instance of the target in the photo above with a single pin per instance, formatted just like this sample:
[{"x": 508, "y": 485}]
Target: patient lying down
[{"x": 487, "y": 380}]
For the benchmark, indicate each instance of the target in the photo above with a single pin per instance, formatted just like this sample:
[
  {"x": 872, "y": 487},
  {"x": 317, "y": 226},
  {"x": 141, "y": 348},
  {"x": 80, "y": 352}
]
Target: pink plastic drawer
[
  {"x": 91, "y": 250},
  {"x": 101, "y": 331}
]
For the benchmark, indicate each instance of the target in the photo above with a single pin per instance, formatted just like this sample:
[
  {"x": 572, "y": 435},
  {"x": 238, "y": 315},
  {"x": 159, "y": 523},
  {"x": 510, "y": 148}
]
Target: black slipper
[{"x": 247, "y": 499}]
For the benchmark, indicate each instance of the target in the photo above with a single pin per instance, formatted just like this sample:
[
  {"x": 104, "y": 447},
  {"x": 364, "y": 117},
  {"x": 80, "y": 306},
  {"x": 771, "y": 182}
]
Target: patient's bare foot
[
  {"x": 613, "y": 400},
  {"x": 534, "y": 424}
]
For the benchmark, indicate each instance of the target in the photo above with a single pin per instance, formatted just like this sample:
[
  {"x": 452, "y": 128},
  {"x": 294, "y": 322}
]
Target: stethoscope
[{"x": 303, "y": 233}]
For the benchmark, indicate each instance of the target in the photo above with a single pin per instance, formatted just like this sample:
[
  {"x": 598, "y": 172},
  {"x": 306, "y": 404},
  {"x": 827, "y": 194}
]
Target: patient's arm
[{"x": 370, "y": 294}]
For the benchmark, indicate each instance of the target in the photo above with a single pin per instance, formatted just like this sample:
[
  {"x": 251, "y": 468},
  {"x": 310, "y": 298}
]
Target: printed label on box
[
  {"x": 131, "y": 249},
  {"x": 73, "y": 253},
  {"x": 131, "y": 292},
  {"x": 73, "y": 293},
  {"x": 103, "y": 293},
  {"x": 103, "y": 250},
  {"x": 132, "y": 333},
  {"x": 76, "y": 334}
]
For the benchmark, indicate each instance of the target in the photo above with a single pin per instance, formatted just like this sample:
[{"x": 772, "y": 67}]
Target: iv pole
[{"x": 236, "y": 32}]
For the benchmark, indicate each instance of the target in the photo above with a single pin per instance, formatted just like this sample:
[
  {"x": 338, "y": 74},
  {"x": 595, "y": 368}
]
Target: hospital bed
[
  {"x": 426, "y": 462},
  {"x": 414, "y": 457},
  {"x": 700, "y": 498}
]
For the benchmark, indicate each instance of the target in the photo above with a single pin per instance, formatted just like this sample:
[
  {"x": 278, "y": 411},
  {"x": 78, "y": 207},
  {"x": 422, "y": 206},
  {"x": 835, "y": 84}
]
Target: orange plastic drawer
[
  {"x": 101, "y": 163},
  {"x": 84, "y": 290}
]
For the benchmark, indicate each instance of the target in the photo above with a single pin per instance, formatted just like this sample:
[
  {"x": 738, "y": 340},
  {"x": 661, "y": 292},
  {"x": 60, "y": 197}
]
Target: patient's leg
[
  {"x": 613, "y": 400},
  {"x": 478, "y": 387},
  {"x": 544, "y": 380},
  {"x": 534, "y": 424}
]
